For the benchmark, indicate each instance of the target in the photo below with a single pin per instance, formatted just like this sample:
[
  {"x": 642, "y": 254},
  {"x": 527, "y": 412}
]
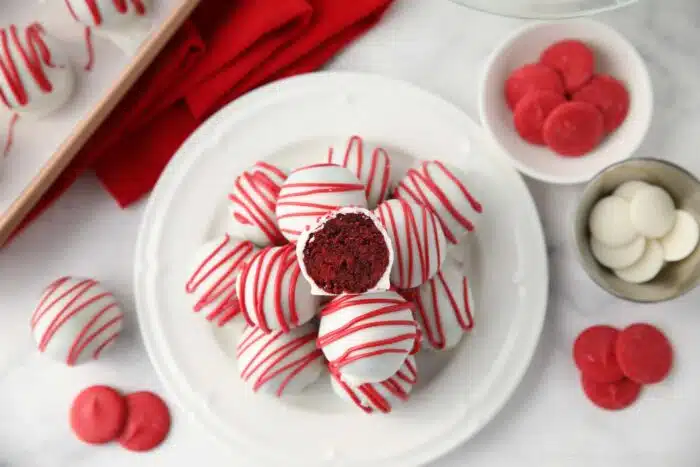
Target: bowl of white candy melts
[{"x": 637, "y": 229}]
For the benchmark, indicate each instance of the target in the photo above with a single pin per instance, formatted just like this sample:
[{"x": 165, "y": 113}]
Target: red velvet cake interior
[{"x": 347, "y": 255}]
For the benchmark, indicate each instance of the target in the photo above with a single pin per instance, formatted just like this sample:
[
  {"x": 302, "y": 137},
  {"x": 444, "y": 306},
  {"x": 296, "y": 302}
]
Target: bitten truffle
[{"x": 347, "y": 251}]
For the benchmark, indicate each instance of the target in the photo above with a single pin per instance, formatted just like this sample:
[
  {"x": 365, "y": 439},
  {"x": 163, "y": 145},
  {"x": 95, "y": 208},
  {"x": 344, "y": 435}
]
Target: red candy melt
[
  {"x": 98, "y": 415},
  {"x": 610, "y": 96},
  {"x": 644, "y": 353},
  {"x": 148, "y": 422},
  {"x": 611, "y": 396},
  {"x": 531, "y": 77},
  {"x": 561, "y": 103},
  {"x": 574, "y": 129},
  {"x": 573, "y": 59},
  {"x": 594, "y": 354},
  {"x": 532, "y": 111},
  {"x": 615, "y": 364}
]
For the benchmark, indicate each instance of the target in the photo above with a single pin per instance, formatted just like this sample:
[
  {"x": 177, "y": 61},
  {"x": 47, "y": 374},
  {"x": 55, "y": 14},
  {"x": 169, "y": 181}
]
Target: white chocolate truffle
[
  {"x": 442, "y": 189},
  {"x": 618, "y": 257},
  {"x": 379, "y": 397},
  {"x": 628, "y": 189},
  {"x": 418, "y": 241},
  {"x": 360, "y": 269},
  {"x": 647, "y": 267},
  {"x": 253, "y": 202},
  {"x": 313, "y": 191},
  {"x": 271, "y": 292},
  {"x": 444, "y": 308},
  {"x": 109, "y": 14},
  {"x": 610, "y": 222},
  {"x": 652, "y": 212},
  {"x": 370, "y": 164},
  {"x": 683, "y": 238},
  {"x": 76, "y": 319},
  {"x": 124, "y": 22},
  {"x": 279, "y": 363},
  {"x": 36, "y": 78},
  {"x": 366, "y": 338},
  {"x": 211, "y": 284}
]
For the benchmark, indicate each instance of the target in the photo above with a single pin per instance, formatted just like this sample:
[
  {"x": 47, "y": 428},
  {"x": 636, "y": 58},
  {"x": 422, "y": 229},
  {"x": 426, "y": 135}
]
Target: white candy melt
[
  {"x": 681, "y": 241},
  {"x": 610, "y": 222},
  {"x": 628, "y": 189},
  {"x": 619, "y": 257},
  {"x": 648, "y": 266},
  {"x": 652, "y": 212}
]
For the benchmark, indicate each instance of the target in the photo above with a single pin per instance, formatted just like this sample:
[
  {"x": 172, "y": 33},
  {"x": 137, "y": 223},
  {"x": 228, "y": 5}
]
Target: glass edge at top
[{"x": 543, "y": 10}]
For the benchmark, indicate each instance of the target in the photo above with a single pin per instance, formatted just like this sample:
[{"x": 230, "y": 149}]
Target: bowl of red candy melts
[{"x": 563, "y": 100}]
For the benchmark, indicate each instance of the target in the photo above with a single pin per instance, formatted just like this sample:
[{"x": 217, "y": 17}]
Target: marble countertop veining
[{"x": 441, "y": 47}]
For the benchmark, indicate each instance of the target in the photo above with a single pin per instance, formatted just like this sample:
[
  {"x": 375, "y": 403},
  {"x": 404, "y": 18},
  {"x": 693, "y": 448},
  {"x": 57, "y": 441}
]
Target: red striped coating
[
  {"x": 214, "y": 279},
  {"x": 372, "y": 397},
  {"x": 270, "y": 355},
  {"x": 68, "y": 299},
  {"x": 419, "y": 186},
  {"x": 392, "y": 328},
  {"x": 254, "y": 198},
  {"x": 373, "y": 170}
]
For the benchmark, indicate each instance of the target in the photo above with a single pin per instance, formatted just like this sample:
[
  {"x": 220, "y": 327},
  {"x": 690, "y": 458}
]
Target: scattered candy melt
[
  {"x": 644, "y": 353},
  {"x": 615, "y": 364},
  {"x": 147, "y": 424},
  {"x": 139, "y": 421},
  {"x": 617, "y": 395},
  {"x": 594, "y": 354},
  {"x": 98, "y": 415}
]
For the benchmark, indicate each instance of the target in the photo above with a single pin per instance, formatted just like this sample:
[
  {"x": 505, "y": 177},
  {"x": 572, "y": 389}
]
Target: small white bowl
[{"x": 614, "y": 56}]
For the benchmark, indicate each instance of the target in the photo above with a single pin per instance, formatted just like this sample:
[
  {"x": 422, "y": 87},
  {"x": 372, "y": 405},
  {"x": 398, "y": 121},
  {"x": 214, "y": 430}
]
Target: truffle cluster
[{"x": 339, "y": 268}]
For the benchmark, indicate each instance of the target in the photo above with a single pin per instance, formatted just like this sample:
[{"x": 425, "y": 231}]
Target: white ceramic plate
[{"x": 293, "y": 122}]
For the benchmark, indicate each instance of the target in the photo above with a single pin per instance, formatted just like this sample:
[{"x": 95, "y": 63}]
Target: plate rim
[{"x": 539, "y": 297}]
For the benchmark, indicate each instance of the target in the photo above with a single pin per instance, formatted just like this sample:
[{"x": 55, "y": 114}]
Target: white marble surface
[{"x": 441, "y": 47}]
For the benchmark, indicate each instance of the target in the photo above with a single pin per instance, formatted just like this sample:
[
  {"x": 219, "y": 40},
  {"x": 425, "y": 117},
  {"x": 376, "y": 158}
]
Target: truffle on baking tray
[
  {"x": 271, "y": 292},
  {"x": 346, "y": 251},
  {"x": 253, "y": 200},
  {"x": 444, "y": 307},
  {"x": 379, "y": 397},
  {"x": 370, "y": 164},
  {"x": 123, "y": 22},
  {"x": 417, "y": 239},
  {"x": 75, "y": 320},
  {"x": 366, "y": 338},
  {"x": 279, "y": 363},
  {"x": 211, "y": 284},
  {"x": 311, "y": 192},
  {"x": 36, "y": 77},
  {"x": 442, "y": 189}
]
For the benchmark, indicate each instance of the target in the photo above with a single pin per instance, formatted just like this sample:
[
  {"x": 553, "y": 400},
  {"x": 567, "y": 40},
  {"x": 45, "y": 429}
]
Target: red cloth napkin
[{"x": 226, "y": 49}]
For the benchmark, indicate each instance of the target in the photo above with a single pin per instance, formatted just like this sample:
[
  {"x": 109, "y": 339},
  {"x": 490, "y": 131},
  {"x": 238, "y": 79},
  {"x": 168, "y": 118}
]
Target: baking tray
[{"x": 34, "y": 163}]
